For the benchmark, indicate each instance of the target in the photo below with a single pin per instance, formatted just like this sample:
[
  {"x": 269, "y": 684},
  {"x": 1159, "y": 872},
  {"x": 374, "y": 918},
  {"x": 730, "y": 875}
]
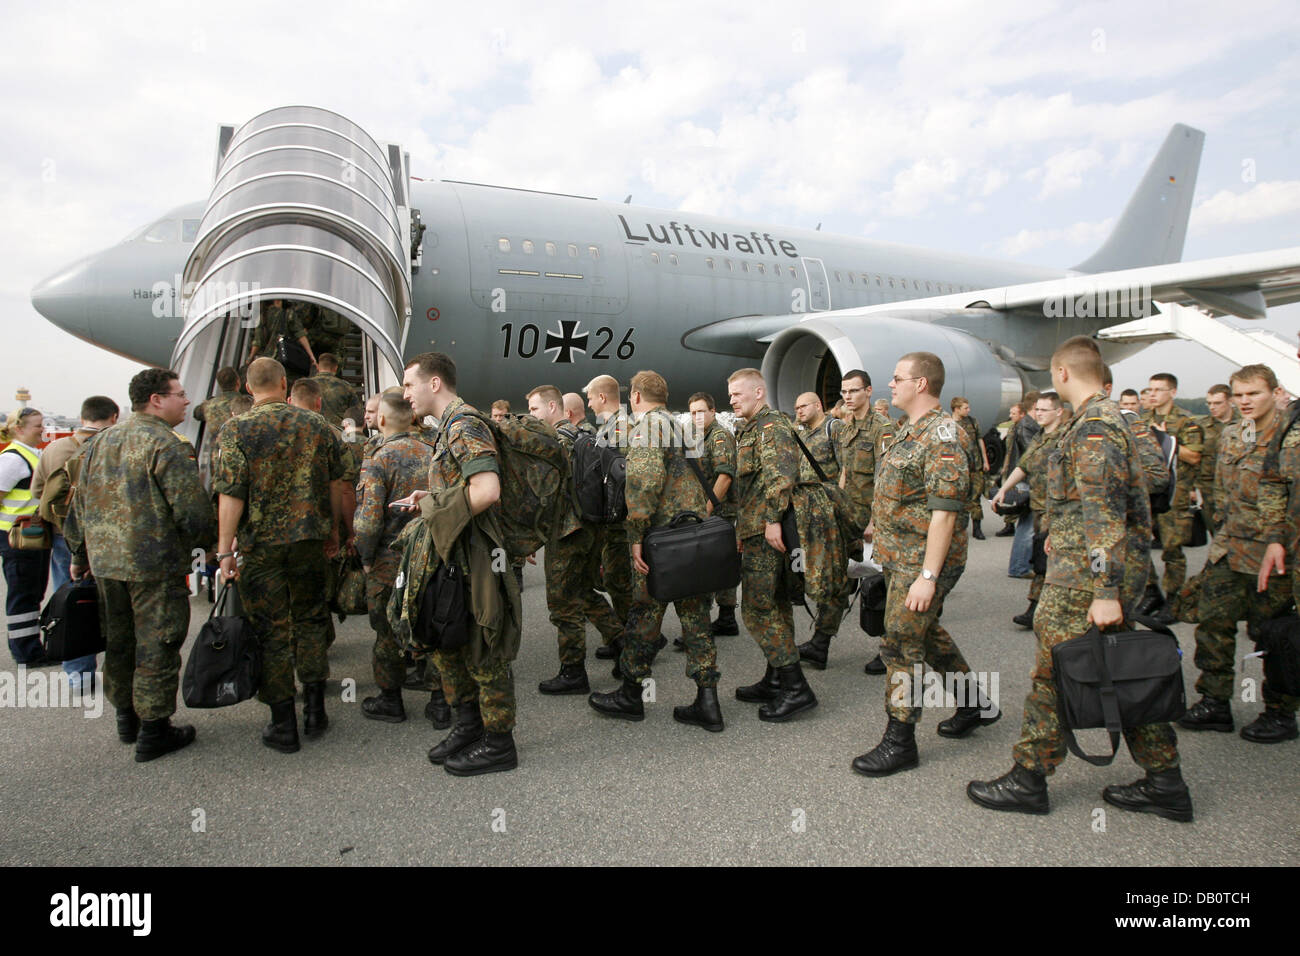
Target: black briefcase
[
  {"x": 689, "y": 556},
  {"x": 225, "y": 665},
  {"x": 70, "y": 622},
  {"x": 1279, "y": 639},
  {"x": 1038, "y": 558},
  {"x": 442, "y": 620},
  {"x": 871, "y": 614},
  {"x": 1117, "y": 680},
  {"x": 1199, "y": 537}
]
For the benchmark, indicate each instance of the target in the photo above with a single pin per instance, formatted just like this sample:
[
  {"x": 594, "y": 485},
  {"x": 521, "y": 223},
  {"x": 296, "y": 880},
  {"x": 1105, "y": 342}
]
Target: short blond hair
[
  {"x": 752, "y": 373},
  {"x": 264, "y": 373},
  {"x": 606, "y": 385},
  {"x": 651, "y": 385},
  {"x": 548, "y": 393}
]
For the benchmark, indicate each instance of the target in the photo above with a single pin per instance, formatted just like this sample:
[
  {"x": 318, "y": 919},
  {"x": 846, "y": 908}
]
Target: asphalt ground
[{"x": 591, "y": 790}]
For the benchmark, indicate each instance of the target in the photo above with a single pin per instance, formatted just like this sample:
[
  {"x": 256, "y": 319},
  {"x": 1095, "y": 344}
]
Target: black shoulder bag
[{"x": 225, "y": 665}]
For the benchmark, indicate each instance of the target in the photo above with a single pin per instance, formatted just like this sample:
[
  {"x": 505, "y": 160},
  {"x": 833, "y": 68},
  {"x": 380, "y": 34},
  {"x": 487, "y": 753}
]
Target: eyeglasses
[
  {"x": 895, "y": 380},
  {"x": 846, "y": 392}
]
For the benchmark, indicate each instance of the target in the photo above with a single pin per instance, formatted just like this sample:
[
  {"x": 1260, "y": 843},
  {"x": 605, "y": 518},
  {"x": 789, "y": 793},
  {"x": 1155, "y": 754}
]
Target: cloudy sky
[{"x": 1014, "y": 130}]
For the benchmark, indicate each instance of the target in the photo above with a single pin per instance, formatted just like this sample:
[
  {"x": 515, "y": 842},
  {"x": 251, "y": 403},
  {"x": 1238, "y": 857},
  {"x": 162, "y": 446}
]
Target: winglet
[{"x": 1154, "y": 224}]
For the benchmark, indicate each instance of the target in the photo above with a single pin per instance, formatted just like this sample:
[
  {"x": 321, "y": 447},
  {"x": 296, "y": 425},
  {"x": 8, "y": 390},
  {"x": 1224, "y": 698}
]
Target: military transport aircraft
[{"x": 525, "y": 287}]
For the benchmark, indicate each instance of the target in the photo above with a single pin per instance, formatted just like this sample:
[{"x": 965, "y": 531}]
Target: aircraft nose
[{"x": 64, "y": 297}]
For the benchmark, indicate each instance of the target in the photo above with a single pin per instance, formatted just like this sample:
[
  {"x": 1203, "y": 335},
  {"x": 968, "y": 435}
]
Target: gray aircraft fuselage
[{"x": 525, "y": 288}]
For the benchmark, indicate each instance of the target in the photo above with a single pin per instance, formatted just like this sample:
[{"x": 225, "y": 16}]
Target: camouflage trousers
[
  {"x": 1061, "y": 615},
  {"x": 615, "y": 567},
  {"x": 976, "y": 507},
  {"x": 1175, "y": 527},
  {"x": 915, "y": 637},
  {"x": 387, "y": 659},
  {"x": 644, "y": 622},
  {"x": 145, "y": 624},
  {"x": 1207, "y": 509},
  {"x": 572, "y": 568},
  {"x": 1227, "y": 597},
  {"x": 766, "y": 611},
  {"x": 284, "y": 595},
  {"x": 831, "y": 613},
  {"x": 492, "y": 684}
]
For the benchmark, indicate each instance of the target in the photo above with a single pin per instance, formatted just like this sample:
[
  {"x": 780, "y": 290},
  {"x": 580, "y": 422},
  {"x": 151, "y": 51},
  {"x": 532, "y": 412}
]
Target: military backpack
[
  {"x": 599, "y": 476},
  {"x": 534, "y": 468}
]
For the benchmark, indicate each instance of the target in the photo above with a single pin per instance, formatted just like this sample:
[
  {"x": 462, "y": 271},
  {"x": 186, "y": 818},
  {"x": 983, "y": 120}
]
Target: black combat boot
[
  {"x": 705, "y": 712},
  {"x": 1026, "y": 619},
  {"x": 282, "y": 732},
  {"x": 314, "y": 720},
  {"x": 1153, "y": 599},
  {"x": 624, "y": 703},
  {"x": 493, "y": 753},
  {"x": 794, "y": 696},
  {"x": 967, "y": 719},
  {"x": 1006, "y": 531},
  {"x": 1208, "y": 713},
  {"x": 1271, "y": 727},
  {"x": 1021, "y": 790},
  {"x": 572, "y": 679},
  {"x": 159, "y": 737},
  {"x": 387, "y": 706},
  {"x": 610, "y": 651},
  {"x": 436, "y": 710},
  {"x": 415, "y": 679},
  {"x": 975, "y": 531},
  {"x": 875, "y": 666},
  {"x": 128, "y": 725},
  {"x": 1164, "y": 794},
  {"x": 896, "y": 751},
  {"x": 815, "y": 651},
  {"x": 766, "y": 689},
  {"x": 468, "y": 730},
  {"x": 726, "y": 624}
]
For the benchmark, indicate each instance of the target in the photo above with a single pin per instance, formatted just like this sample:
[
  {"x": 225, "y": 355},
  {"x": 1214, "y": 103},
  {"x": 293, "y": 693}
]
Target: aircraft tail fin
[{"x": 1151, "y": 230}]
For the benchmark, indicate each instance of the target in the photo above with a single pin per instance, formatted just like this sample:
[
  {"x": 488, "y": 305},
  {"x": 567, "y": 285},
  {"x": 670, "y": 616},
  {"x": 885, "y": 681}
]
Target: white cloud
[
  {"x": 1080, "y": 233},
  {"x": 1262, "y": 201},
  {"x": 1064, "y": 171}
]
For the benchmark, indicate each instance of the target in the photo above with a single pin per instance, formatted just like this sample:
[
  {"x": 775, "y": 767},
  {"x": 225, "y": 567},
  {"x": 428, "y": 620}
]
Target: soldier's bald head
[{"x": 574, "y": 409}]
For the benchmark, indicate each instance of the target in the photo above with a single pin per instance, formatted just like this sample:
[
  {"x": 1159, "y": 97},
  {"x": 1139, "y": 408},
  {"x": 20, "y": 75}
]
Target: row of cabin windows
[
  {"x": 863, "y": 278},
  {"x": 528, "y": 247}
]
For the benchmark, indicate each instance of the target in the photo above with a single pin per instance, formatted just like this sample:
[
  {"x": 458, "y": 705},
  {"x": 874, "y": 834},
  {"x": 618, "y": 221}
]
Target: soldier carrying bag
[
  {"x": 442, "y": 623},
  {"x": 692, "y": 554},
  {"x": 1117, "y": 680},
  {"x": 225, "y": 665},
  {"x": 871, "y": 615},
  {"x": 70, "y": 621}
]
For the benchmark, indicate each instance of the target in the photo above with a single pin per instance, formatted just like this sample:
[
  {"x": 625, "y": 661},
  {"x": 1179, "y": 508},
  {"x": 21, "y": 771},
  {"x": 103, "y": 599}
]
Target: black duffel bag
[
  {"x": 225, "y": 665},
  {"x": 1118, "y": 680},
  {"x": 1015, "y": 502},
  {"x": 292, "y": 356},
  {"x": 442, "y": 622},
  {"x": 871, "y": 615},
  {"x": 70, "y": 621},
  {"x": 1039, "y": 557},
  {"x": 1199, "y": 536},
  {"x": 1279, "y": 639}
]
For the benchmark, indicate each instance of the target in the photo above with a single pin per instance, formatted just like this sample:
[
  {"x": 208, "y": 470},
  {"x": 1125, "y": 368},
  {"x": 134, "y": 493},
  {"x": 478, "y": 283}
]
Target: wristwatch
[{"x": 927, "y": 574}]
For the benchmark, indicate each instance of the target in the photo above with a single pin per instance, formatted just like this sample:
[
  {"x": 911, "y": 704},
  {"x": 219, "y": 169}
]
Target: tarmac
[{"x": 590, "y": 790}]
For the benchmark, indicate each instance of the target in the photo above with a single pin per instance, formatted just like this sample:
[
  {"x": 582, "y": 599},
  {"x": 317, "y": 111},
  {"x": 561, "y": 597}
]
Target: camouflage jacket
[
  {"x": 615, "y": 428},
  {"x": 400, "y": 467},
  {"x": 660, "y": 481},
  {"x": 279, "y": 460},
  {"x": 1033, "y": 462},
  {"x": 273, "y": 321},
  {"x": 1212, "y": 429},
  {"x": 215, "y": 412},
  {"x": 925, "y": 469},
  {"x": 464, "y": 448},
  {"x": 337, "y": 397},
  {"x": 1186, "y": 429},
  {"x": 824, "y": 443},
  {"x": 767, "y": 467},
  {"x": 971, "y": 426},
  {"x": 139, "y": 508},
  {"x": 1242, "y": 470},
  {"x": 1150, "y": 455},
  {"x": 567, "y": 519},
  {"x": 717, "y": 456},
  {"x": 1279, "y": 502},
  {"x": 862, "y": 444},
  {"x": 1098, "y": 507},
  {"x": 349, "y": 454}
]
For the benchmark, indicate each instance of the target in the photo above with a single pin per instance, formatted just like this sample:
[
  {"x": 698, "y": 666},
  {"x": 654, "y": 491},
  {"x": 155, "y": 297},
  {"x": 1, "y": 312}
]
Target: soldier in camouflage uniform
[
  {"x": 1175, "y": 525},
  {"x": 482, "y": 688},
  {"x": 1222, "y": 414},
  {"x": 979, "y": 461},
  {"x": 660, "y": 485},
  {"x": 615, "y": 558},
  {"x": 1049, "y": 413},
  {"x": 717, "y": 456},
  {"x": 1250, "y": 511},
  {"x": 767, "y": 468},
  {"x": 338, "y": 398},
  {"x": 214, "y": 413},
  {"x": 399, "y": 467},
  {"x": 281, "y": 495},
  {"x": 138, "y": 511},
  {"x": 862, "y": 440},
  {"x": 375, "y": 436},
  {"x": 275, "y": 320},
  {"x": 919, "y": 530},
  {"x": 572, "y": 563},
  {"x": 821, "y": 435},
  {"x": 1099, "y": 522}
]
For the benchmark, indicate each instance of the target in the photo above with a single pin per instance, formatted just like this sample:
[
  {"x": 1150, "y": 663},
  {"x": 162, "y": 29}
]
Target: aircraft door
[{"x": 819, "y": 287}]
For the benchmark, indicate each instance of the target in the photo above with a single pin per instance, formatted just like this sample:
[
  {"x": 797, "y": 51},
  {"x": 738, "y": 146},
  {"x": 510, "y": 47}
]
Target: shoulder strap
[
  {"x": 830, "y": 438},
  {"x": 1109, "y": 708},
  {"x": 821, "y": 475},
  {"x": 695, "y": 467}
]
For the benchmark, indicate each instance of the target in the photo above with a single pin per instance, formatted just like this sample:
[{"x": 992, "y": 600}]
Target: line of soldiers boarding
[{"x": 282, "y": 485}]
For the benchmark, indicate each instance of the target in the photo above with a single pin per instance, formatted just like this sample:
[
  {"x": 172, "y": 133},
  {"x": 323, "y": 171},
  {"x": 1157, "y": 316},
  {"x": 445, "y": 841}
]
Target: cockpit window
[
  {"x": 164, "y": 230},
  {"x": 189, "y": 229}
]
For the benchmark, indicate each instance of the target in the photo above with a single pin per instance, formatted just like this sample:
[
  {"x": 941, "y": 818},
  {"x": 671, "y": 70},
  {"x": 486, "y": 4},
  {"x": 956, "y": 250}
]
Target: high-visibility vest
[{"x": 18, "y": 501}]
